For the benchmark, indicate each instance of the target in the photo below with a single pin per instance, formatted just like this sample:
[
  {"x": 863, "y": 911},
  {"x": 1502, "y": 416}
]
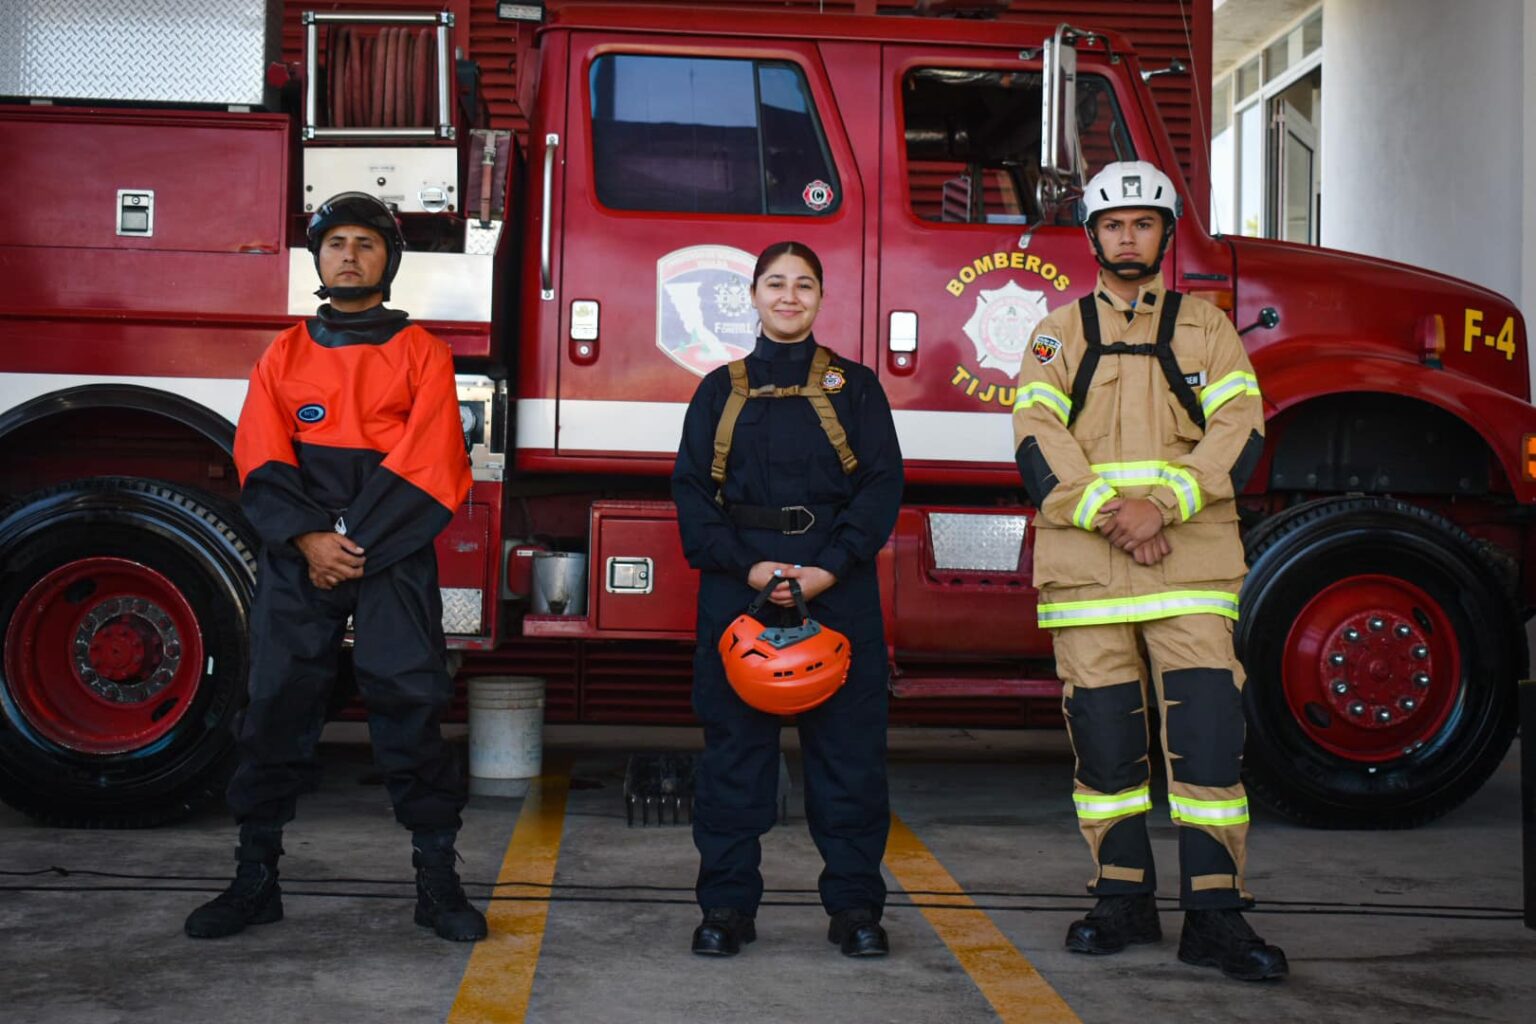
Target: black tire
[
  {"x": 198, "y": 550},
  {"x": 1330, "y": 550}
]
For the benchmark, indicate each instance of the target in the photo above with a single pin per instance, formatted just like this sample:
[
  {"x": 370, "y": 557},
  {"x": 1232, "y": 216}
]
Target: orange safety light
[
  {"x": 1430, "y": 332},
  {"x": 1528, "y": 462}
]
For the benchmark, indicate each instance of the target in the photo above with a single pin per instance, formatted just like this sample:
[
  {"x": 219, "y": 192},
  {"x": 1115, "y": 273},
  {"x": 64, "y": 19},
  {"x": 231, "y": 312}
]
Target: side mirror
[{"x": 1058, "y": 111}]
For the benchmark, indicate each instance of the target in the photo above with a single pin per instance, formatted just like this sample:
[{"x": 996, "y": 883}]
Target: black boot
[
  {"x": 1114, "y": 923},
  {"x": 723, "y": 932},
  {"x": 858, "y": 933},
  {"x": 1222, "y": 939},
  {"x": 440, "y": 901},
  {"x": 254, "y": 897}
]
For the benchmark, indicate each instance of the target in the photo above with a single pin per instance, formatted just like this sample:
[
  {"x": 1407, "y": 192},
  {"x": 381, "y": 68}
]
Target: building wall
[{"x": 1424, "y": 139}]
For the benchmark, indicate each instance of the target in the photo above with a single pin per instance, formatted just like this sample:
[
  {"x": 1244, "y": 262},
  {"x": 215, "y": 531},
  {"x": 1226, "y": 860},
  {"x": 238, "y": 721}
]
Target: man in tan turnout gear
[{"x": 1137, "y": 420}]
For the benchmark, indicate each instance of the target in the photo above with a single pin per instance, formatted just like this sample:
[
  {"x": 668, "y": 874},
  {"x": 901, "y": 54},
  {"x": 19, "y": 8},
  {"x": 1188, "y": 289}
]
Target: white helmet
[{"x": 1129, "y": 183}]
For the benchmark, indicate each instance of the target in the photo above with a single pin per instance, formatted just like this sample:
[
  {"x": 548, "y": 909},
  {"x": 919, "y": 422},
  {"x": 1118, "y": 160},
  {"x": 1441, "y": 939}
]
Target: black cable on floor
[{"x": 1297, "y": 908}]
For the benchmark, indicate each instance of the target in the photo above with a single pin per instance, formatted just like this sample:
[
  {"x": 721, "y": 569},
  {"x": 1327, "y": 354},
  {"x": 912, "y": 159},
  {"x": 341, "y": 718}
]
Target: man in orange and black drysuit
[
  {"x": 1137, "y": 421},
  {"x": 351, "y": 460}
]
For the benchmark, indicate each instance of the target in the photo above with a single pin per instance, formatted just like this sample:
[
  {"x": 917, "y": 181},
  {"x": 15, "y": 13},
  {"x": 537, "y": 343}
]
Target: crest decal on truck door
[
  {"x": 1002, "y": 323},
  {"x": 704, "y": 314}
]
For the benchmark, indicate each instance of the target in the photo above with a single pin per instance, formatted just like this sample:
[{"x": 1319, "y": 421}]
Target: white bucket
[{"x": 506, "y": 733}]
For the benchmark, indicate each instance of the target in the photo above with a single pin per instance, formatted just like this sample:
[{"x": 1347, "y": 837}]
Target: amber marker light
[
  {"x": 1221, "y": 299},
  {"x": 1430, "y": 331},
  {"x": 1528, "y": 463}
]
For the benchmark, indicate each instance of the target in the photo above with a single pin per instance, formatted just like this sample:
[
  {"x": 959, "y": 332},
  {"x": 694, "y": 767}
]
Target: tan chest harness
[{"x": 792, "y": 519}]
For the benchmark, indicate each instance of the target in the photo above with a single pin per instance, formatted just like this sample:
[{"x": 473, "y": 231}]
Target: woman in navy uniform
[{"x": 808, "y": 490}]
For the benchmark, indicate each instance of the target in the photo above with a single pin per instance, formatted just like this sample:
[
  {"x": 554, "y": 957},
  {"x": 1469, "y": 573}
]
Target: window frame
[
  {"x": 810, "y": 82},
  {"x": 1267, "y": 90},
  {"x": 1117, "y": 101}
]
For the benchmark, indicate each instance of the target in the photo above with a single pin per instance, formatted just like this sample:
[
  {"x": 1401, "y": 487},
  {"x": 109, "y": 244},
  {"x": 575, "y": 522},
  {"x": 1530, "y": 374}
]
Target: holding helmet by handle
[{"x": 787, "y": 484}]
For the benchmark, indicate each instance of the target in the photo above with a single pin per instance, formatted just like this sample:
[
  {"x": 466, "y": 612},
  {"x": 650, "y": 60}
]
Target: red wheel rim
[
  {"x": 1372, "y": 668},
  {"x": 103, "y": 656}
]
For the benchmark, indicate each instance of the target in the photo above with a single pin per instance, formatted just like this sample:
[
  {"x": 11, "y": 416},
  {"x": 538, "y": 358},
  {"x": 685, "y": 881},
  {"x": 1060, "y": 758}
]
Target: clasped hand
[
  {"x": 813, "y": 581},
  {"x": 332, "y": 558},
  {"x": 1135, "y": 525}
]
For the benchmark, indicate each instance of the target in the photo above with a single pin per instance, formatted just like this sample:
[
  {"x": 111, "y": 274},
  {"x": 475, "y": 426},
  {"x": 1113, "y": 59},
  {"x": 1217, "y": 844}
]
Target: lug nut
[
  {"x": 1356, "y": 708},
  {"x": 1404, "y": 630},
  {"x": 1383, "y": 715},
  {"x": 1340, "y": 686},
  {"x": 1336, "y": 658},
  {"x": 1407, "y": 703},
  {"x": 1351, "y": 635},
  {"x": 1376, "y": 623},
  {"x": 1421, "y": 652},
  {"x": 1421, "y": 679}
]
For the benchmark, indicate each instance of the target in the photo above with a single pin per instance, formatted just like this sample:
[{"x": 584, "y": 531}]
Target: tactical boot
[
  {"x": 440, "y": 901},
  {"x": 857, "y": 933},
  {"x": 1222, "y": 939},
  {"x": 723, "y": 932},
  {"x": 1114, "y": 923},
  {"x": 254, "y": 897}
]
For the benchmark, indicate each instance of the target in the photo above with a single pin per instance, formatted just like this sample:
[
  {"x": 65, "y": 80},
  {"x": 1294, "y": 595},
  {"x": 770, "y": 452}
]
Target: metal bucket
[{"x": 559, "y": 583}]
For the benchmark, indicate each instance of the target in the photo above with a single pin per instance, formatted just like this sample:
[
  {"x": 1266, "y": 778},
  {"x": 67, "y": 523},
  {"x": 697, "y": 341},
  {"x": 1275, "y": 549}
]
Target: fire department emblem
[
  {"x": 1001, "y": 325},
  {"x": 833, "y": 380},
  {"x": 1045, "y": 348},
  {"x": 818, "y": 195},
  {"x": 704, "y": 314}
]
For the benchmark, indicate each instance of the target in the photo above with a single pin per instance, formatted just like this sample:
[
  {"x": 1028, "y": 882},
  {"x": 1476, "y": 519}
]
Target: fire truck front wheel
[
  {"x": 1383, "y": 647},
  {"x": 123, "y": 608}
]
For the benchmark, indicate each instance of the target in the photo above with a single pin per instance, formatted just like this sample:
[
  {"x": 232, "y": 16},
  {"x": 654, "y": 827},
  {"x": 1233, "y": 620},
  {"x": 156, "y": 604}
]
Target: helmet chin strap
[
  {"x": 349, "y": 292},
  {"x": 1131, "y": 270}
]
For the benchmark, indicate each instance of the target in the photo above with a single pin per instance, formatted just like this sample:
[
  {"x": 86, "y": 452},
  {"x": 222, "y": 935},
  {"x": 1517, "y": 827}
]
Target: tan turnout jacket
[{"x": 1132, "y": 438}]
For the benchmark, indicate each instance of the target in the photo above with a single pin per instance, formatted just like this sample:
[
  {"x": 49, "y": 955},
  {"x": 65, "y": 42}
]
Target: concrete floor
[{"x": 991, "y": 807}]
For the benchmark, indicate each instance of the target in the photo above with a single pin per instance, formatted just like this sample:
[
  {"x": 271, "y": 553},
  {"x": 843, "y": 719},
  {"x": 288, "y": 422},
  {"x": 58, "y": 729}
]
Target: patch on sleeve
[
  {"x": 833, "y": 380},
  {"x": 1045, "y": 348}
]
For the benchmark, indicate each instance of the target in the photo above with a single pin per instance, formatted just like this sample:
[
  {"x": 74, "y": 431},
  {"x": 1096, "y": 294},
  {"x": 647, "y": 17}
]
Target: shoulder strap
[
  {"x": 1170, "y": 363},
  {"x": 1088, "y": 307},
  {"x": 830, "y": 424},
  {"x": 727, "y": 425}
]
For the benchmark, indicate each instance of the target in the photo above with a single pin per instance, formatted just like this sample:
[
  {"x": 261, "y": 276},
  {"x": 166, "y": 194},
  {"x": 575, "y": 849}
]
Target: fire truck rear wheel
[
  {"x": 123, "y": 612},
  {"x": 1383, "y": 649}
]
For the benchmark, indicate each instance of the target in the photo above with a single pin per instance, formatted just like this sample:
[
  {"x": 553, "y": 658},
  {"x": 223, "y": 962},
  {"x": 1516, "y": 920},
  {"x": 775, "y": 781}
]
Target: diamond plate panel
[
  {"x": 980, "y": 543},
  {"x": 158, "y": 51},
  {"x": 461, "y": 610}
]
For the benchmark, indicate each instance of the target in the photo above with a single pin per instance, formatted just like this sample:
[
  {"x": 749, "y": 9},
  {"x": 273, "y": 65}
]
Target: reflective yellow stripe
[
  {"x": 1097, "y": 806},
  {"x": 1215, "y": 813},
  {"x": 1037, "y": 392},
  {"x": 1093, "y": 499},
  {"x": 1238, "y": 382},
  {"x": 1166, "y": 605},
  {"x": 1156, "y": 473}
]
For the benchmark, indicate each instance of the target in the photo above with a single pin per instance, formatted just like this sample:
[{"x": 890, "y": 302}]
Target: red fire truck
[{"x": 589, "y": 267}]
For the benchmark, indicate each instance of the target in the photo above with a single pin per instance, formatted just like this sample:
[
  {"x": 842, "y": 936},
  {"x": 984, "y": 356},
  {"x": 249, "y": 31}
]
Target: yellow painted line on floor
[
  {"x": 499, "y": 978},
  {"x": 1005, "y": 976}
]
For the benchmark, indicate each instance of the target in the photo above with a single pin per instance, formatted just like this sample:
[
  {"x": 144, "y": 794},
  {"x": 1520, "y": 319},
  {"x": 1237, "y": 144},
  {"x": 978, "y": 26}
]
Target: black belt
[{"x": 792, "y": 519}]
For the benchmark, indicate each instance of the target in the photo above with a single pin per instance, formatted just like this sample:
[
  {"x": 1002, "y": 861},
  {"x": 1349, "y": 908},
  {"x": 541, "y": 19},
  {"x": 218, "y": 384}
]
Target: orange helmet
[{"x": 783, "y": 670}]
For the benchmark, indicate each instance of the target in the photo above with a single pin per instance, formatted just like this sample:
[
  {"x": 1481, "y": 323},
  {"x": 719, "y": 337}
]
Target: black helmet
[{"x": 363, "y": 210}]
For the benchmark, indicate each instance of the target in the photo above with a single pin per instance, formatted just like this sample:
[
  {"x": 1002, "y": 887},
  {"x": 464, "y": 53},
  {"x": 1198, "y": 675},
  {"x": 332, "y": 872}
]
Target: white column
[{"x": 1424, "y": 105}]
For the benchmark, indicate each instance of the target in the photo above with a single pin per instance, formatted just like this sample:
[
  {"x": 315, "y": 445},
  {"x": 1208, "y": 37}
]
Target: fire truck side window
[
  {"x": 973, "y": 141},
  {"x": 708, "y": 135}
]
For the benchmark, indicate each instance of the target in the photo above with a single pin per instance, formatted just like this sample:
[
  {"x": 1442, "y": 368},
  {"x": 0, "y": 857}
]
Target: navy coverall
[
  {"x": 780, "y": 456},
  {"x": 351, "y": 423}
]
